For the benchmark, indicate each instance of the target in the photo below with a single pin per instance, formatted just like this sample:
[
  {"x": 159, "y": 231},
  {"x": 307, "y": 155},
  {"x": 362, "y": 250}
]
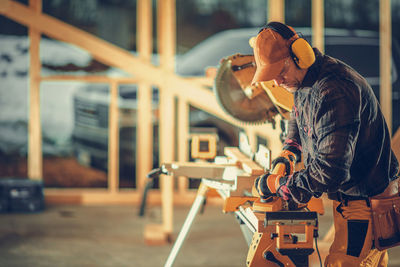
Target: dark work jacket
[{"x": 338, "y": 126}]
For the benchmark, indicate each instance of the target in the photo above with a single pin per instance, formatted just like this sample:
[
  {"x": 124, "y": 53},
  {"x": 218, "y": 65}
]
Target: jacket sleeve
[
  {"x": 292, "y": 142},
  {"x": 336, "y": 127}
]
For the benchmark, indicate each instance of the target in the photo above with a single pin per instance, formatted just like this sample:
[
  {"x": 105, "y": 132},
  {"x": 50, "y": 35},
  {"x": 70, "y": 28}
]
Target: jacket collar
[{"x": 313, "y": 72}]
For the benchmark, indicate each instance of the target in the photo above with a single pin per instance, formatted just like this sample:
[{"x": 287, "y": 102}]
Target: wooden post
[
  {"x": 166, "y": 32},
  {"x": 166, "y": 26},
  {"x": 113, "y": 139},
  {"x": 144, "y": 136},
  {"x": 183, "y": 137},
  {"x": 318, "y": 24},
  {"x": 166, "y": 155},
  {"x": 35, "y": 156},
  {"x": 385, "y": 41},
  {"x": 276, "y": 10}
]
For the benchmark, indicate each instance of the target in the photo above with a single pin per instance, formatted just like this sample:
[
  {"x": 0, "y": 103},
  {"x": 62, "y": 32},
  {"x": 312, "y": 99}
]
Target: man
[{"x": 337, "y": 126}]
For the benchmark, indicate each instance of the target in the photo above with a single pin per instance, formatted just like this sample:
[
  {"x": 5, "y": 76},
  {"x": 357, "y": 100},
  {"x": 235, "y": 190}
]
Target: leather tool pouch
[{"x": 386, "y": 222}]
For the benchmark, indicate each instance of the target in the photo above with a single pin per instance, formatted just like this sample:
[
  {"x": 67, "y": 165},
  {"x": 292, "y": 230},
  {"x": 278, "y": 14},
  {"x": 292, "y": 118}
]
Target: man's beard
[{"x": 292, "y": 87}]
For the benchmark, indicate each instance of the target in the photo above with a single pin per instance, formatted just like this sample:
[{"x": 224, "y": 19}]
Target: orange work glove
[
  {"x": 270, "y": 184},
  {"x": 284, "y": 164}
]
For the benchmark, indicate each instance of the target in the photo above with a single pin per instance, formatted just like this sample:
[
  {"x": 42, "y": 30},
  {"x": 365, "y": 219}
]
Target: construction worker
[{"x": 338, "y": 128}]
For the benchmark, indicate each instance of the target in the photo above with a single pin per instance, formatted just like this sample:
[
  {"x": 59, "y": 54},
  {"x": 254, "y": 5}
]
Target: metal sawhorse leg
[{"x": 201, "y": 196}]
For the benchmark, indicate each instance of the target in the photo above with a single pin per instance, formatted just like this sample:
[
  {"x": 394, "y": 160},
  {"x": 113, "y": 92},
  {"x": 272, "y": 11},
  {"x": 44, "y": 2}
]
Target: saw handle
[
  {"x": 154, "y": 173},
  {"x": 284, "y": 164}
]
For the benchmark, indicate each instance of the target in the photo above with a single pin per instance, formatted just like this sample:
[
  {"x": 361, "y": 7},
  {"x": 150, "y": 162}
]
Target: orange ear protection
[{"x": 300, "y": 50}]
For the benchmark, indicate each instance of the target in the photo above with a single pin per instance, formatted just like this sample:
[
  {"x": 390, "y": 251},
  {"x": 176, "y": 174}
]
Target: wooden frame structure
[{"x": 188, "y": 91}]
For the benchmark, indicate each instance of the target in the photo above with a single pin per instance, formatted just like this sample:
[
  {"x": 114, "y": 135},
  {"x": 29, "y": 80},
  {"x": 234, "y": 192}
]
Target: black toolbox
[{"x": 21, "y": 195}]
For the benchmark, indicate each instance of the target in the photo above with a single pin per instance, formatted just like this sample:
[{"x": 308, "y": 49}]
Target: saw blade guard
[{"x": 238, "y": 98}]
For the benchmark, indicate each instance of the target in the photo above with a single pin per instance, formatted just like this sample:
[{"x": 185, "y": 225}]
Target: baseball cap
[{"x": 270, "y": 52}]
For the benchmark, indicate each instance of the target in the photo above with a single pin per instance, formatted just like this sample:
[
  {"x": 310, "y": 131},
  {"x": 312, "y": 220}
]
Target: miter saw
[{"x": 248, "y": 103}]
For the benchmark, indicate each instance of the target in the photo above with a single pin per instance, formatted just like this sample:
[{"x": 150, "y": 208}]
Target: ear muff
[
  {"x": 300, "y": 50},
  {"x": 304, "y": 55}
]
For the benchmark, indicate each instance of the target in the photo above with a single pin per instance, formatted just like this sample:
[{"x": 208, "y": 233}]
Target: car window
[
  {"x": 211, "y": 51},
  {"x": 363, "y": 58}
]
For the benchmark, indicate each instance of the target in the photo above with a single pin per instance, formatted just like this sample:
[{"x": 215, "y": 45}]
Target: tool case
[{"x": 21, "y": 195}]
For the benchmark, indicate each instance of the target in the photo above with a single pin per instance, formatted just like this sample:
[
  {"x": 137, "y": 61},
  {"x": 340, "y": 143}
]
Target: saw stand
[
  {"x": 276, "y": 235},
  {"x": 283, "y": 238}
]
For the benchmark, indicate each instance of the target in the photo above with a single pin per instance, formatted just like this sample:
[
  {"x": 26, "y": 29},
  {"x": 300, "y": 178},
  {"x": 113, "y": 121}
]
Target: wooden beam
[
  {"x": 105, "y": 52},
  {"x": 385, "y": 41},
  {"x": 276, "y": 10},
  {"x": 104, "y": 196},
  {"x": 90, "y": 79},
  {"x": 113, "y": 139},
  {"x": 144, "y": 132},
  {"x": 35, "y": 157},
  {"x": 318, "y": 24}
]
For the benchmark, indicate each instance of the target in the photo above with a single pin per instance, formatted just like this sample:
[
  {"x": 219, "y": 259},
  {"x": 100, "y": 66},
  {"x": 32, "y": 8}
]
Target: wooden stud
[
  {"x": 113, "y": 139},
  {"x": 166, "y": 32},
  {"x": 276, "y": 10},
  {"x": 183, "y": 148},
  {"x": 144, "y": 29},
  {"x": 166, "y": 143},
  {"x": 318, "y": 24},
  {"x": 35, "y": 156},
  {"x": 166, "y": 40},
  {"x": 144, "y": 136},
  {"x": 385, "y": 42}
]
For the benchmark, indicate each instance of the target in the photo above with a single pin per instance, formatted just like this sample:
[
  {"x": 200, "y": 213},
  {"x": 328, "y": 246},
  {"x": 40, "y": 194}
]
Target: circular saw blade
[{"x": 230, "y": 95}]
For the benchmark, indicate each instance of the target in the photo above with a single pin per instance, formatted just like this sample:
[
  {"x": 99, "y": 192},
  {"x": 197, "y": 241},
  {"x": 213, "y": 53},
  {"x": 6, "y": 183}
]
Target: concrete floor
[{"x": 113, "y": 236}]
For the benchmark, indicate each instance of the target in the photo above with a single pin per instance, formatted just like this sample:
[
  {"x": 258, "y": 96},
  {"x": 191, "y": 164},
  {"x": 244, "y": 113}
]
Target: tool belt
[{"x": 386, "y": 217}]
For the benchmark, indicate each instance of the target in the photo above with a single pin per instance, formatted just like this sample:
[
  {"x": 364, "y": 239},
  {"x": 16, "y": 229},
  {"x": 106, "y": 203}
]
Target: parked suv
[
  {"x": 90, "y": 133},
  {"x": 360, "y": 49}
]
